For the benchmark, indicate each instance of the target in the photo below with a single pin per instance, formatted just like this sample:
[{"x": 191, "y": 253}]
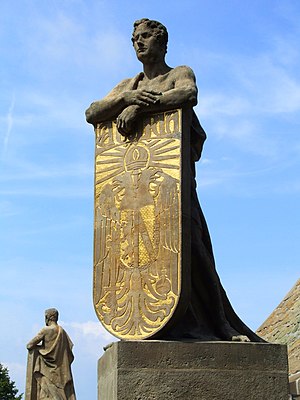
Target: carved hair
[
  {"x": 52, "y": 314},
  {"x": 158, "y": 30}
]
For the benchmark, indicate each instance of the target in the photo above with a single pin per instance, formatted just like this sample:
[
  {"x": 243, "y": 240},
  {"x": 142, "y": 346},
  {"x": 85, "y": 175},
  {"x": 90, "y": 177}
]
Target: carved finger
[
  {"x": 151, "y": 100},
  {"x": 118, "y": 123},
  {"x": 140, "y": 102},
  {"x": 153, "y": 92},
  {"x": 122, "y": 131}
]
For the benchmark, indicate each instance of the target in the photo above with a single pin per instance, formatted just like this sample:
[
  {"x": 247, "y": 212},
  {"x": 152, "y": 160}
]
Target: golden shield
[{"x": 138, "y": 226}]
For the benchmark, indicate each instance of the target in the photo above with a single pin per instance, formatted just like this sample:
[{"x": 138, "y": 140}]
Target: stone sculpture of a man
[
  {"x": 50, "y": 356},
  {"x": 158, "y": 88}
]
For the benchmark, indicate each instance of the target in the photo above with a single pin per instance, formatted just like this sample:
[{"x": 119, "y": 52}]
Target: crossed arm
[{"x": 126, "y": 105}]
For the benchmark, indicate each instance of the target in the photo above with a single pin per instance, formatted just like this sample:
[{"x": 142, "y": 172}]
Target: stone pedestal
[
  {"x": 295, "y": 385},
  {"x": 152, "y": 370}
]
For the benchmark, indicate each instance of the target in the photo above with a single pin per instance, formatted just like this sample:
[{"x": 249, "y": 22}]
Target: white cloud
[
  {"x": 26, "y": 170},
  {"x": 63, "y": 42},
  {"x": 9, "y": 121},
  {"x": 88, "y": 329},
  {"x": 206, "y": 161},
  {"x": 274, "y": 89},
  {"x": 41, "y": 109},
  {"x": 262, "y": 86},
  {"x": 285, "y": 50},
  {"x": 62, "y": 181},
  {"x": 89, "y": 339},
  {"x": 214, "y": 104},
  {"x": 258, "y": 97}
]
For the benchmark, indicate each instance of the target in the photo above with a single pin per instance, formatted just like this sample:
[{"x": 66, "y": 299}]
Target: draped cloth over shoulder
[{"x": 49, "y": 373}]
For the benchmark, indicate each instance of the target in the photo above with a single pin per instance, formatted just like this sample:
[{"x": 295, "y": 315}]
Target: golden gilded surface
[{"x": 137, "y": 238}]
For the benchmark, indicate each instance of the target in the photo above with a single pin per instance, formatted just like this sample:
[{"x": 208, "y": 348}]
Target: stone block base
[
  {"x": 152, "y": 370},
  {"x": 295, "y": 385}
]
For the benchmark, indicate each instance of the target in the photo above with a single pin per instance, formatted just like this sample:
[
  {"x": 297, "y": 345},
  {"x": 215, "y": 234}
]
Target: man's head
[
  {"x": 145, "y": 30},
  {"x": 51, "y": 315}
]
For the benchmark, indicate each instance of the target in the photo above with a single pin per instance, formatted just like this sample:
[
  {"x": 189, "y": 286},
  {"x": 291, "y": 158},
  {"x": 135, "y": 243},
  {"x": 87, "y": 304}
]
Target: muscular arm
[
  {"x": 36, "y": 340},
  {"x": 117, "y": 100},
  {"x": 183, "y": 94},
  {"x": 47, "y": 336},
  {"x": 129, "y": 104},
  {"x": 109, "y": 107}
]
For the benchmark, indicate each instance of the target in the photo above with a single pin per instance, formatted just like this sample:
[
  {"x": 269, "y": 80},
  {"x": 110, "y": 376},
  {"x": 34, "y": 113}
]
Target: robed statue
[
  {"x": 50, "y": 356},
  {"x": 154, "y": 269}
]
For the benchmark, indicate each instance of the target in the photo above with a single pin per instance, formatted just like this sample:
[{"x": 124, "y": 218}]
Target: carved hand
[
  {"x": 141, "y": 97},
  {"x": 126, "y": 119}
]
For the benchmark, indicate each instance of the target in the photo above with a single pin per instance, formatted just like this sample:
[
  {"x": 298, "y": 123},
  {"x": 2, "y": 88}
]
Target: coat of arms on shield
[{"x": 138, "y": 226}]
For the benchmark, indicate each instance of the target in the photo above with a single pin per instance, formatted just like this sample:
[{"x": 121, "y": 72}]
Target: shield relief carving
[{"x": 141, "y": 226}]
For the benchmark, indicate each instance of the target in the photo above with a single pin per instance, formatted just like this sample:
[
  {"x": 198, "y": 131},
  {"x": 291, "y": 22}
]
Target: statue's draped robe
[
  {"x": 198, "y": 321},
  {"x": 49, "y": 373}
]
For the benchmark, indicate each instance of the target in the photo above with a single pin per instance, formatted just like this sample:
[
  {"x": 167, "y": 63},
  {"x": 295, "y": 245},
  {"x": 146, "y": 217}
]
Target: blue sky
[{"x": 57, "y": 57}]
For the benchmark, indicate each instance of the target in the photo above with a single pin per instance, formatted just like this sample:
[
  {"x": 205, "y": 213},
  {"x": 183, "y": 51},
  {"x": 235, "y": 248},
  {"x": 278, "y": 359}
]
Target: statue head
[
  {"x": 51, "y": 315},
  {"x": 155, "y": 29}
]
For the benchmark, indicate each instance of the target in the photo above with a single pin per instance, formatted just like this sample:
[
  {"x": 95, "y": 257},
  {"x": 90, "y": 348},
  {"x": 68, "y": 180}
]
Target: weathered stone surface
[
  {"x": 295, "y": 384},
  {"x": 138, "y": 234},
  {"x": 283, "y": 326},
  {"x": 152, "y": 370},
  {"x": 50, "y": 355}
]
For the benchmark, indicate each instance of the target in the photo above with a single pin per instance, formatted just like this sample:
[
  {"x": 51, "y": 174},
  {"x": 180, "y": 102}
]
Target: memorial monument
[
  {"x": 138, "y": 217},
  {"x": 50, "y": 356},
  {"x": 154, "y": 270}
]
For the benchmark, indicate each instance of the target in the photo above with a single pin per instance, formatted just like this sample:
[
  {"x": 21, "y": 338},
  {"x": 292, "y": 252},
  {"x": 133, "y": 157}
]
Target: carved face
[{"x": 148, "y": 49}]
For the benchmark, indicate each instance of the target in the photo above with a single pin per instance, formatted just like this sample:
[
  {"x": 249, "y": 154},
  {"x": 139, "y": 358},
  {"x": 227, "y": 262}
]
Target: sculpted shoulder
[
  {"x": 51, "y": 331},
  {"x": 123, "y": 85},
  {"x": 183, "y": 72}
]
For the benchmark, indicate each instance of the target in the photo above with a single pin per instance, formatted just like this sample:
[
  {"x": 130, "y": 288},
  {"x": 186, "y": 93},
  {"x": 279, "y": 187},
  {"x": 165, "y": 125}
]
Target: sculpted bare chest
[{"x": 161, "y": 83}]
